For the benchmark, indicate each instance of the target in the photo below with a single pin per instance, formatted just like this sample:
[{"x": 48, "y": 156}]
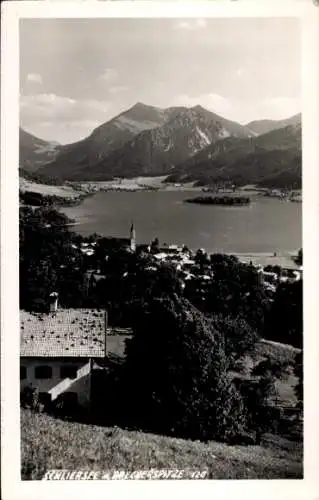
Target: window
[
  {"x": 23, "y": 373},
  {"x": 68, "y": 371},
  {"x": 43, "y": 372}
]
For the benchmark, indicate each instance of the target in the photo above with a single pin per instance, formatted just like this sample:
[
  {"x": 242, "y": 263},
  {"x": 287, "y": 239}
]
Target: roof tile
[{"x": 40, "y": 333}]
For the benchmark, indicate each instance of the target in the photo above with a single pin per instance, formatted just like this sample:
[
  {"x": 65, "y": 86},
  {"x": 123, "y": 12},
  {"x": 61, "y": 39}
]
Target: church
[{"x": 132, "y": 238}]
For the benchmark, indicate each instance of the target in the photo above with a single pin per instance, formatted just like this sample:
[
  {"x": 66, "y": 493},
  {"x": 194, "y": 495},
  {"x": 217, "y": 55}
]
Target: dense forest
[
  {"x": 220, "y": 200},
  {"x": 40, "y": 200},
  {"x": 40, "y": 177}
]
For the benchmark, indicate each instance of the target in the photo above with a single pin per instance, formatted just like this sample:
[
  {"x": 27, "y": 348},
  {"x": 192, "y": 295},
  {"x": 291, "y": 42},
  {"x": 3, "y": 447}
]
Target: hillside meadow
[{"x": 50, "y": 443}]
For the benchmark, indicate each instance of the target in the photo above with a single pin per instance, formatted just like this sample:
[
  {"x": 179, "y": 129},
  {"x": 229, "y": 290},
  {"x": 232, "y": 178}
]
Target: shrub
[{"x": 29, "y": 398}]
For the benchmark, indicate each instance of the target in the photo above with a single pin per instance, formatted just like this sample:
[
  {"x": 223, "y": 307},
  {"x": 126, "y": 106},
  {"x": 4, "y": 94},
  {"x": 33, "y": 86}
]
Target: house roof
[{"x": 65, "y": 333}]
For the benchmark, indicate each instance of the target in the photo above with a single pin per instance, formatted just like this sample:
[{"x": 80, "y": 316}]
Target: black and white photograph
[{"x": 161, "y": 325}]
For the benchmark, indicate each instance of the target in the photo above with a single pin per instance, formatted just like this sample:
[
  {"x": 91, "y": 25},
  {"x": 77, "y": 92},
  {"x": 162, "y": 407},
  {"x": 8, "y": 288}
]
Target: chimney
[{"x": 53, "y": 301}]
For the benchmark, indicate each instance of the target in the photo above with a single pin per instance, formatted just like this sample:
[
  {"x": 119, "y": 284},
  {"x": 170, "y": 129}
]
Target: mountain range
[
  {"x": 273, "y": 158},
  {"x": 264, "y": 126},
  {"x": 183, "y": 143}
]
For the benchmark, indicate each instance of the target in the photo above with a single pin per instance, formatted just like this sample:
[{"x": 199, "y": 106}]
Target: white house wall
[{"x": 56, "y": 385}]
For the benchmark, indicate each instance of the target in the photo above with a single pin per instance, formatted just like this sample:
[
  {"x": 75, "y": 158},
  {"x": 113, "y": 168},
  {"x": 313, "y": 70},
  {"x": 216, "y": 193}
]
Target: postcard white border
[{"x": 12, "y": 487}]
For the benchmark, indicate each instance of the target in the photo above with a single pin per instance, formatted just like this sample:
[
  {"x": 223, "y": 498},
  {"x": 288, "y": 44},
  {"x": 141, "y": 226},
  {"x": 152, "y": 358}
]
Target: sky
[{"x": 78, "y": 73}]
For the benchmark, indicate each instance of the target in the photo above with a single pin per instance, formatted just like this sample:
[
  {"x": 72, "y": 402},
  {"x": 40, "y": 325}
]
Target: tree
[
  {"x": 46, "y": 254},
  {"x": 143, "y": 285},
  {"x": 238, "y": 335},
  {"x": 71, "y": 286},
  {"x": 285, "y": 319},
  {"x": 255, "y": 394},
  {"x": 236, "y": 291},
  {"x": 164, "y": 282},
  {"x": 299, "y": 259},
  {"x": 262, "y": 417},
  {"x": 155, "y": 245},
  {"x": 273, "y": 269},
  {"x": 176, "y": 374},
  {"x": 202, "y": 259}
]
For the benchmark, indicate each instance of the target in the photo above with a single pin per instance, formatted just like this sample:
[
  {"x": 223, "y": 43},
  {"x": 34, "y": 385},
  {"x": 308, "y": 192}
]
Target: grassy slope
[
  {"x": 276, "y": 352},
  {"x": 45, "y": 189},
  {"x": 48, "y": 443}
]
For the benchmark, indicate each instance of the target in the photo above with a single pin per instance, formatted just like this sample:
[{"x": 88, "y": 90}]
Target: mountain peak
[
  {"x": 141, "y": 106},
  {"x": 198, "y": 108},
  {"x": 147, "y": 140},
  {"x": 144, "y": 113}
]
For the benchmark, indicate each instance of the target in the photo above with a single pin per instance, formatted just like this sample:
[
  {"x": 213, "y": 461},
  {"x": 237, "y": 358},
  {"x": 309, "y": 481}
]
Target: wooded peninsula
[{"x": 220, "y": 200}]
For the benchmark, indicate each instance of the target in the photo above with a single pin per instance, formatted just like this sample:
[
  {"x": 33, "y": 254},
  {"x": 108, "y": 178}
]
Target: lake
[{"x": 267, "y": 225}]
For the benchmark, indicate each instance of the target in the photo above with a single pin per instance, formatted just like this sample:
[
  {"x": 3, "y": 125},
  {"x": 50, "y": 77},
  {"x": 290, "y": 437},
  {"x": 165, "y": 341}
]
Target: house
[
  {"x": 293, "y": 275},
  {"x": 160, "y": 256},
  {"x": 60, "y": 350},
  {"x": 290, "y": 275},
  {"x": 270, "y": 277}
]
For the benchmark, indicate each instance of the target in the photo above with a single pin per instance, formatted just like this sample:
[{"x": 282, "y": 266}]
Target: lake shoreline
[
  {"x": 263, "y": 259},
  {"x": 158, "y": 183},
  {"x": 265, "y": 226},
  {"x": 285, "y": 259}
]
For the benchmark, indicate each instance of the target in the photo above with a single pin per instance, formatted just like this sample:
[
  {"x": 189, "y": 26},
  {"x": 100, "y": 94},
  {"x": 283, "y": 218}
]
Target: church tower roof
[{"x": 132, "y": 238}]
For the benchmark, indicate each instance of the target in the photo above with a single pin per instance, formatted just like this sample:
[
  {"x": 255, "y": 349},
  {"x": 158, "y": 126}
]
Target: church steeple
[{"x": 132, "y": 238}]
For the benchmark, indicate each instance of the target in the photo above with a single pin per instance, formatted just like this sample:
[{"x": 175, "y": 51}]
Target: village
[
  {"x": 196, "y": 266},
  {"x": 63, "y": 348}
]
